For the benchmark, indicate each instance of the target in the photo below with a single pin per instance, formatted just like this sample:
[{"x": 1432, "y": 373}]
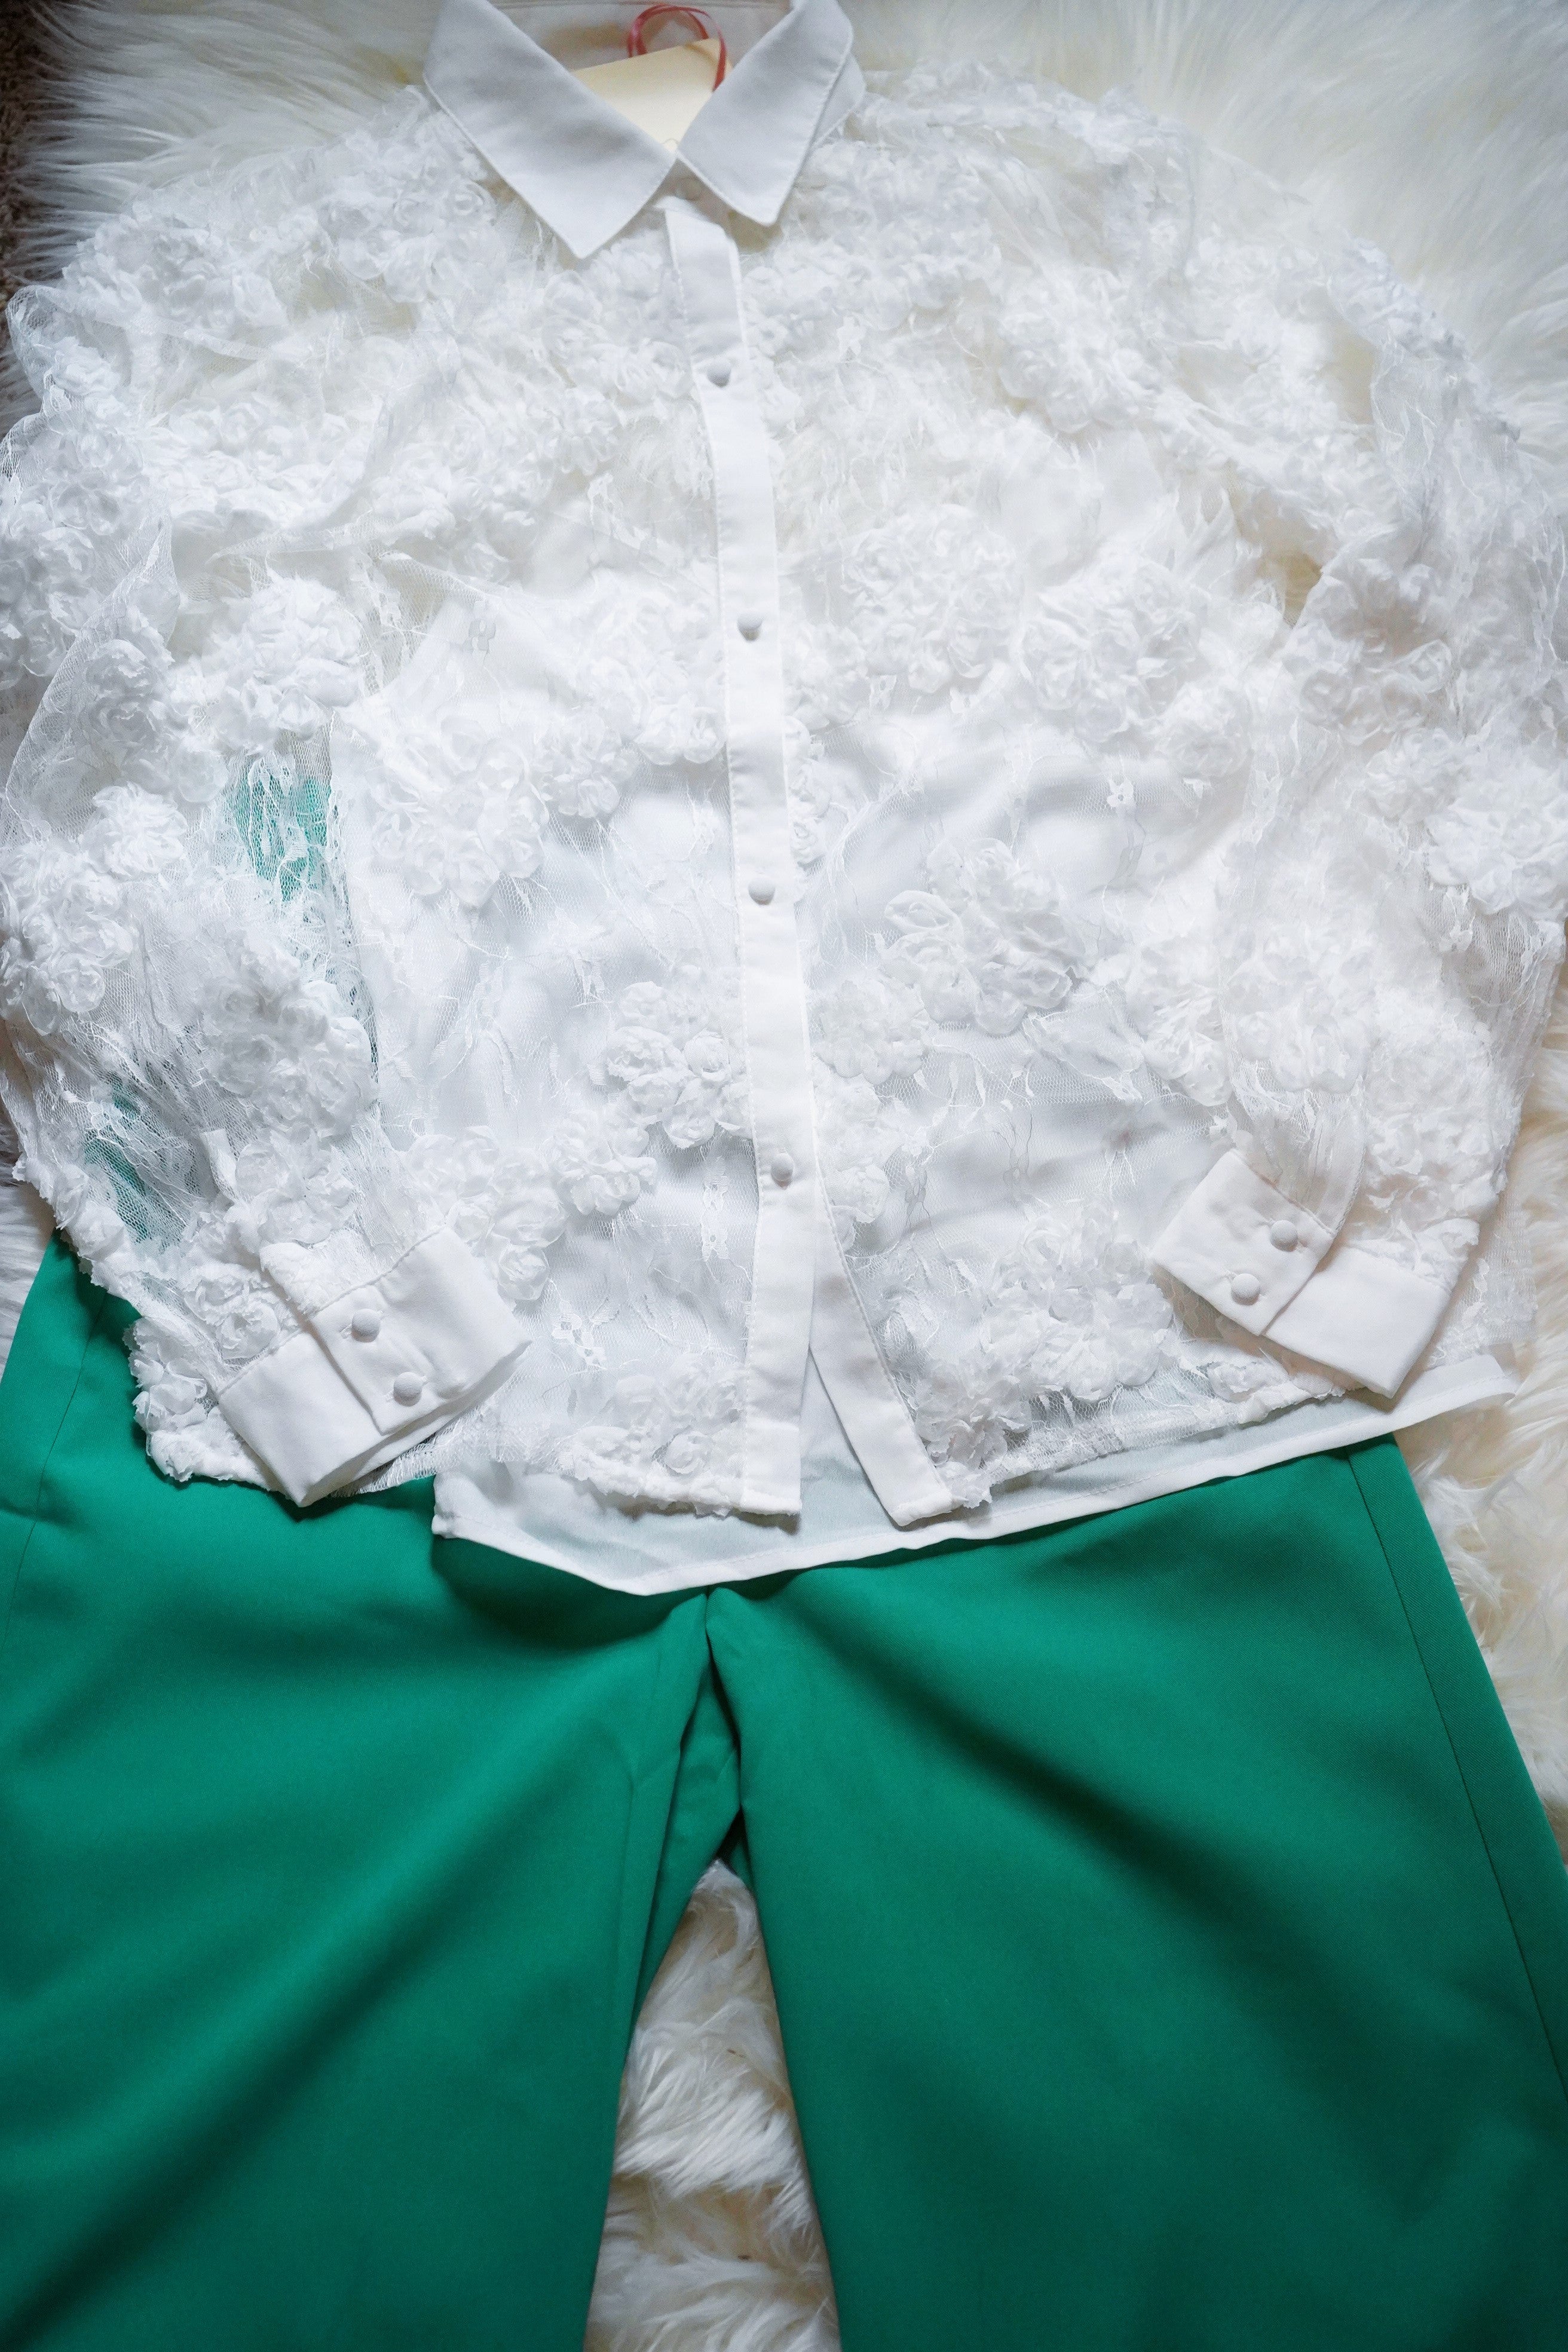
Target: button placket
[{"x": 771, "y": 981}]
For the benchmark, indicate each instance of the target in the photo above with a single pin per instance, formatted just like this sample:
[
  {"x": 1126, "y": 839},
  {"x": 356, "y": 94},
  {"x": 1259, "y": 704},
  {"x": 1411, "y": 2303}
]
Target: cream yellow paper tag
[{"x": 662, "y": 91}]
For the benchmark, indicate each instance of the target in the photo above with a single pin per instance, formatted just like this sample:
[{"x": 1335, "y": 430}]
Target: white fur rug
[{"x": 1439, "y": 128}]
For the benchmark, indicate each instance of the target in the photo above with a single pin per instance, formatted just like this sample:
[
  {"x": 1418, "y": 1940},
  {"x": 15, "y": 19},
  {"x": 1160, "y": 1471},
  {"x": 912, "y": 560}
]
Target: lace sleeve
[
  {"x": 190, "y": 1053},
  {"x": 1393, "y": 924}
]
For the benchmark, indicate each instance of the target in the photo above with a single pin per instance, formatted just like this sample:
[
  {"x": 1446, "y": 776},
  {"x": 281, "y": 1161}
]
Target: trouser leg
[
  {"x": 324, "y": 1900},
  {"x": 1168, "y": 1945}
]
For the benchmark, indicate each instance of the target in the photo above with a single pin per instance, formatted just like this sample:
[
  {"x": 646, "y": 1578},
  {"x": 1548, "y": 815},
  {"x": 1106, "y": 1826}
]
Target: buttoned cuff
[
  {"x": 383, "y": 1364},
  {"x": 1270, "y": 1266}
]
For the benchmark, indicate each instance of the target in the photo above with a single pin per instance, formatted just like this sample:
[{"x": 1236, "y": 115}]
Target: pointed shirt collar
[{"x": 587, "y": 171}]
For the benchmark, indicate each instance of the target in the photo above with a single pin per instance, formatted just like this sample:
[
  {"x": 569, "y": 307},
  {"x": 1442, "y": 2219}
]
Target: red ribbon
[{"x": 636, "y": 42}]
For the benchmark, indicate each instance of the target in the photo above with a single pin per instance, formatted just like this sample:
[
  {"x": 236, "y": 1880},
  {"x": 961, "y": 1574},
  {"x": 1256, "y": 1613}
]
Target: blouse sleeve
[
  {"x": 1392, "y": 924},
  {"x": 190, "y": 1051}
]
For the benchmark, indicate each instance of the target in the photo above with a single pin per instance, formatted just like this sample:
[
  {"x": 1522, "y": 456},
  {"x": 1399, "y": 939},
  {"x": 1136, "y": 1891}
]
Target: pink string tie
[{"x": 636, "y": 39}]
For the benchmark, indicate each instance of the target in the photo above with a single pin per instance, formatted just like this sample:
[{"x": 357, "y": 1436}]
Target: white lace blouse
[{"x": 773, "y": 852}]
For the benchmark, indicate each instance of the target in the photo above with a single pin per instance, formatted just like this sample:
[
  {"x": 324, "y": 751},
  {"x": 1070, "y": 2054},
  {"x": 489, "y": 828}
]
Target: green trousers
[{"x": 1171, "y": 1953}]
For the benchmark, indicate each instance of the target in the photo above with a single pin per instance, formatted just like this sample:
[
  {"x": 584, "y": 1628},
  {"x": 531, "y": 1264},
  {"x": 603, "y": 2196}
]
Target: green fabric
[{"x": 1169, "y": 1947}]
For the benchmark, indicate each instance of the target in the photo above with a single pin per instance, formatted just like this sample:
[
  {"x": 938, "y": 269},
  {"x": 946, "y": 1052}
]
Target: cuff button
[
  {"x": 365, "y": 1323},
  {"x": 1246, "y": 1290},
  {"x": 407, "y": 1388},
  {"x": 1283, "y": 1235}
]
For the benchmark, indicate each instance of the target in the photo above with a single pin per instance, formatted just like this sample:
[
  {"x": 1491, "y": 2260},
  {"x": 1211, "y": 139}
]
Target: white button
[
  {"x": 760, "y": 889},
  {"x": 750, "y": 625},
  {"x": 718, "y": 374},
  {"x": 1246, "y": 1290},
  {"x": 783, "y": 1167},
  {"x": 1284, "y": 1236},
  {"x": 365, "y": 1323},
  {"x": 407, "y": 1388}
]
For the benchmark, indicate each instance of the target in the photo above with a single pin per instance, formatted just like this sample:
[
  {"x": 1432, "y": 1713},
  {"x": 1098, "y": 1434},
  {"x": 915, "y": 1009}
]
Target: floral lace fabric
[{"x": 1176, "y": 756}]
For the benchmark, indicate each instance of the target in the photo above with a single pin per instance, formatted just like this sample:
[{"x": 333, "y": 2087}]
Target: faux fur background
[{"x": 1439, "y": 128}]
